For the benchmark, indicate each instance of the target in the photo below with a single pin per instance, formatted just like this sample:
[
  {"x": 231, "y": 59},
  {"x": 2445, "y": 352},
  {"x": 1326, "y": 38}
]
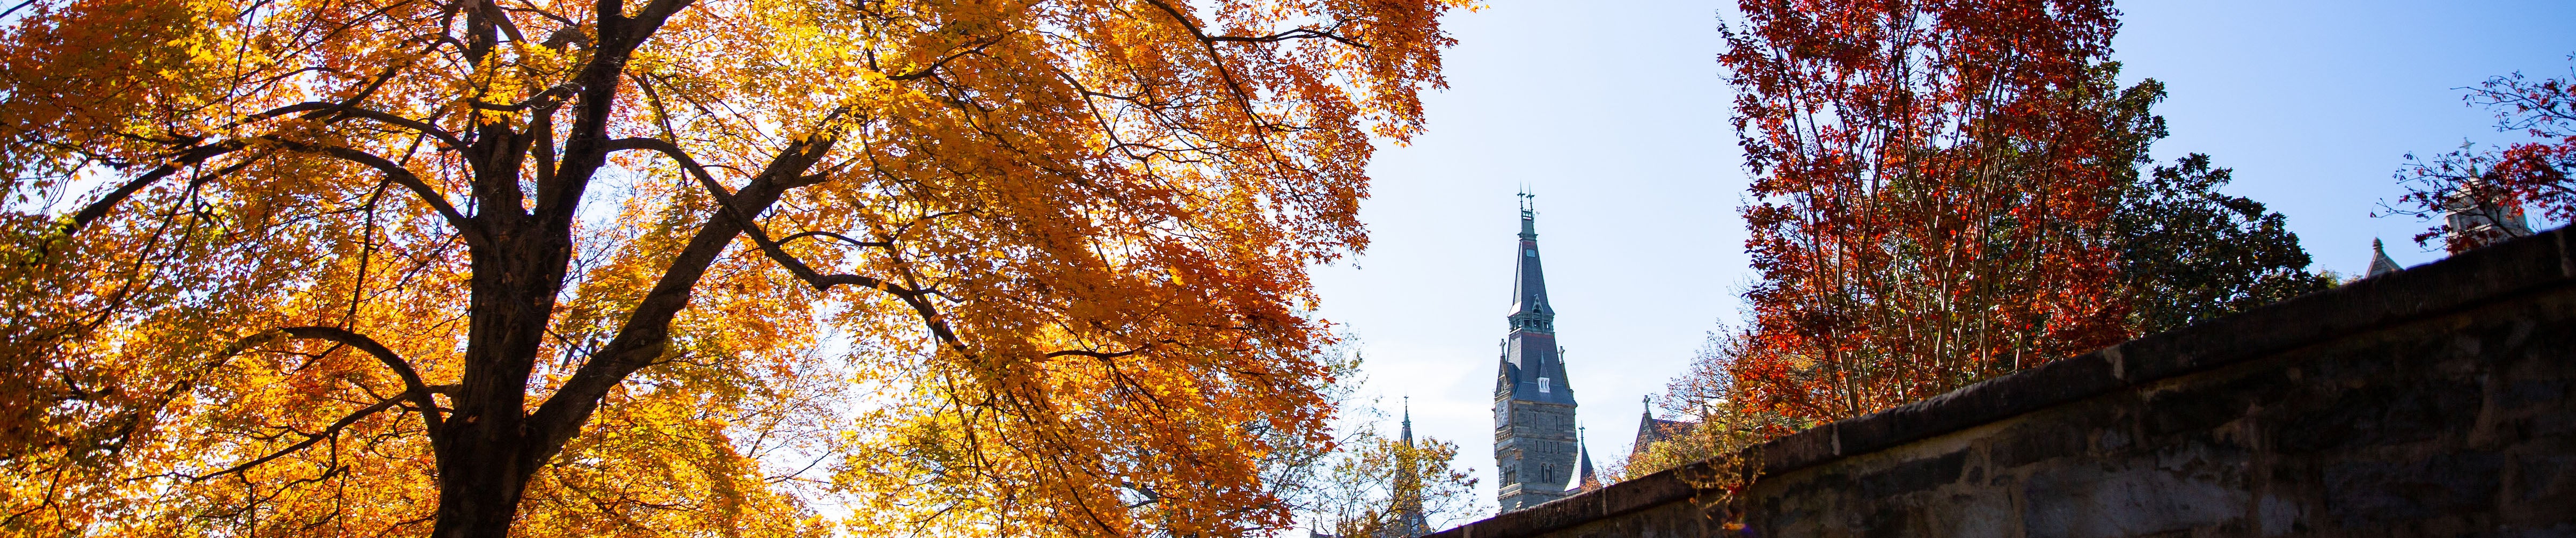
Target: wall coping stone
[{"x": 2505, "y": 270}]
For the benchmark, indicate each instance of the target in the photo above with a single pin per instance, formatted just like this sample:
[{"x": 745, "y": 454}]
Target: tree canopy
[
  {"x": 1944, "y": 192},
  {"x": 1926, "y": 201},
  {"x": 2482, "y": 194},
  {"x": 476, "y": 267}
]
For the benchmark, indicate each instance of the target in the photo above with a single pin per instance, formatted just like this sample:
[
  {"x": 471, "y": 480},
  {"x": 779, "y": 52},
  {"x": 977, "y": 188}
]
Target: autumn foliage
[
  {"x": 1927, "y": 183},
  {"x": 2499, "y": 185},
  {"x": 469, "y": 267}
]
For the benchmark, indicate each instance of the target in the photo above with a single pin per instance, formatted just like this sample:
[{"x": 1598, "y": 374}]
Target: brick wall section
[{"x": 2436, "y": 401}]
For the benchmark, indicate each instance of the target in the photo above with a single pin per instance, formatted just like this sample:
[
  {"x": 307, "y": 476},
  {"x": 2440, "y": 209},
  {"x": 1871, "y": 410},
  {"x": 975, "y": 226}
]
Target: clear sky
[{"x": 1613, "y": 112}]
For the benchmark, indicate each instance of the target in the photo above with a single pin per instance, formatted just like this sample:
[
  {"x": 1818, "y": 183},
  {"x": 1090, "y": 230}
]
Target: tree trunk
[
  {"x": 479, "y": 491},
  {"x": 488, "y": 451}
]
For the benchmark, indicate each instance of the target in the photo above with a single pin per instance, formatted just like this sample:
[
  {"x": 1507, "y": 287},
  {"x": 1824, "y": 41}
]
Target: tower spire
[
  {"x": 1530, "y": 310},
  {"x": 1536, "y": 450},
  {"x": 1409, "y": 519},
  {"x": 1408, "y": 421},
  {"x": 1585, "y": 481}
]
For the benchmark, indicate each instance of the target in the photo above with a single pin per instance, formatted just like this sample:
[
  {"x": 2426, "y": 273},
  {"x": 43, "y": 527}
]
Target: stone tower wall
[{"x": 1535, "y": 449}]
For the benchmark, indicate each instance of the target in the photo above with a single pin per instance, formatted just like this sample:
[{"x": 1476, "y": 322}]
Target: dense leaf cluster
[
  {"x": 540, "y": 267},
  {"x": 2189, "y": 253},
  {"x": 1945, "y": 192}
]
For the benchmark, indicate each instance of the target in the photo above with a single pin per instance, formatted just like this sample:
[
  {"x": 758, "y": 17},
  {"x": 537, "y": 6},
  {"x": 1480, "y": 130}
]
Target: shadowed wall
[{"x": 2437, "y": 401}]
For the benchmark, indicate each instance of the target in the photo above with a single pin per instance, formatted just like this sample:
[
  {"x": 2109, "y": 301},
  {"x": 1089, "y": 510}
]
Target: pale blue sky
[{"x": 1613, "y": 112}]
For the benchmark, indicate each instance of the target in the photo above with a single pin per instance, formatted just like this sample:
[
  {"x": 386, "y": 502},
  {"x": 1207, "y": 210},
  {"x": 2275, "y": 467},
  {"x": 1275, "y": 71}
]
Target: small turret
[{"x": 2379, "y": 262}]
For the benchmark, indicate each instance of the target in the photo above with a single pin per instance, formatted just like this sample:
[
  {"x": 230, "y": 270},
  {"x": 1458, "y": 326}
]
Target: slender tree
[
  {"x": 477, "y": 267},
  {"x": 1929, "y": 184}
]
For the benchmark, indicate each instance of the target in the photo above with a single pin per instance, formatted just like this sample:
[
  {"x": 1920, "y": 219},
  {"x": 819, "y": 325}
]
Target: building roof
[
  {"x": 2379, "y": 262},
  {"x": 1651, "y": 430}
]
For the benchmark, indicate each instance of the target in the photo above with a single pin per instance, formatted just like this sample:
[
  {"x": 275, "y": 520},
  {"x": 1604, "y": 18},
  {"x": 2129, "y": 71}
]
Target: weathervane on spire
[{"x": 1529, "y": 214}]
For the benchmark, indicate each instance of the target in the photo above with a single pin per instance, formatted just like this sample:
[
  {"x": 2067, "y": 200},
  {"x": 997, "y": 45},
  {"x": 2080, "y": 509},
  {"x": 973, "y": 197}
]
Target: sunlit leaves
[
  {"x": 1930, "y": 193},
  {"x": 2483, "y": 193},
  {"x": 1038, "y": 264}
]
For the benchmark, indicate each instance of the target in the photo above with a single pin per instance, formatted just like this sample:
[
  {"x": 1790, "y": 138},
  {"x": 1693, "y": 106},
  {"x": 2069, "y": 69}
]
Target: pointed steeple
[
  {"x": 1530, "y": 310},
  {"x": 1533, "y": 366},
  {"x": 2379, "y": 262},
  {"x": 1586, "y": 480},
  {"x": 1409, "y": 519},
  {"x": 1408, "y": 421}
]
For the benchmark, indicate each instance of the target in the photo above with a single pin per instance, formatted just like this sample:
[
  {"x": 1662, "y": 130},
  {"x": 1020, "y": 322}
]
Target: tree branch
[
  {"x": 585, "y": 142},
  {"x": 843, "y": 238},
  {"x": 311, "y": 438},
  {"x": 666, "y": 148},
  {"x": 1300, "y": 33},
  {"x": 185, "y": 158},
  {"x": 647, "y": 327},
  {"x": 1110, "y": 355},
  {"x": 412, "y": 383},
  {"x": 351, "y": 109},
  {"x": 400, "y": 176},
  {"x": 927, "y": 70}
]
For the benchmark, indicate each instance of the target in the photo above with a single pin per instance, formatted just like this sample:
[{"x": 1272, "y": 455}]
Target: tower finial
[{"x": 1529, "y": 215}]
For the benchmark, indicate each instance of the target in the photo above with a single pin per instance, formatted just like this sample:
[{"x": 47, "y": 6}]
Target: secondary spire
[{"x": 1408, "y": 421}]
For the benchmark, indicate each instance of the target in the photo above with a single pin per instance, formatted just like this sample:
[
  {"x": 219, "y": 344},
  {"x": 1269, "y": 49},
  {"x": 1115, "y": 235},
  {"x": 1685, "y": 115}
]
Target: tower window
[
  {"x": 1542, "y": 384},
  {"x": 1530, "y": 252}
]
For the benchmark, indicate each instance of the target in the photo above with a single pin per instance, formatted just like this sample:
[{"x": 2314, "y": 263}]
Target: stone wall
[{"x": 2436, "y": 401}]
